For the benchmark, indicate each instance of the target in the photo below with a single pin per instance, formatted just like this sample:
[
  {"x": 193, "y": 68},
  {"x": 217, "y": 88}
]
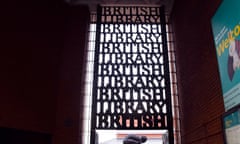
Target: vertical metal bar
[
  {"x": 95, "y": 80},
  {"x": 167, "y": 76}
]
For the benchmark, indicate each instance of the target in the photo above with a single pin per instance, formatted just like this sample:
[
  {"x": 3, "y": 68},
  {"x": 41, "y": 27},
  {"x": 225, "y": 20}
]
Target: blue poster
[{"x": 226, "y": 32}]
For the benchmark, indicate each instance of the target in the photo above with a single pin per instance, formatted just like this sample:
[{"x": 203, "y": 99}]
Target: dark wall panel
[
  {"x": 198, "y": 77},
  {"x": 14, "y": 136}
]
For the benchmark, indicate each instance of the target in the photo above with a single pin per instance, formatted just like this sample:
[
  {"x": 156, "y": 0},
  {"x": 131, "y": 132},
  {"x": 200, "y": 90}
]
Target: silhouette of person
[{"x": 134, "y": 139}]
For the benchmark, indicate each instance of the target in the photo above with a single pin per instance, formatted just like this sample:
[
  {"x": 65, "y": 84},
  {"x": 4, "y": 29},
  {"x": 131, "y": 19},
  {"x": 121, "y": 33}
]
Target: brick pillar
[{"x": 68, "y": 122}]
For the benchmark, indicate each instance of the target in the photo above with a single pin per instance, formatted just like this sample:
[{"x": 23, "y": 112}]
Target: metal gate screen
[{"x": 131, "y": 87}]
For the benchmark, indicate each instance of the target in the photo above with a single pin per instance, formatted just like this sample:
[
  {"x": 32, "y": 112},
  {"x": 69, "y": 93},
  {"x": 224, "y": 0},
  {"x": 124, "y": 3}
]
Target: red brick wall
[
  {"x": 29, "y": 64},
  {"x": 42, "y": 49},
  {"x": 70, "y": 98},
  {"x": 198, "y": 77}
]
